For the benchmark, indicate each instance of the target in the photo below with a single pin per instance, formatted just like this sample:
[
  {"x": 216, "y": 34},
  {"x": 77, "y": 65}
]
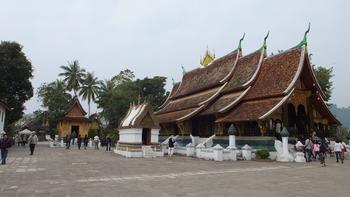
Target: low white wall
[
  {"x": 154, "y": 135},
  {"x": 128, "y": 153},
  {"x": 132, "y": 135}
]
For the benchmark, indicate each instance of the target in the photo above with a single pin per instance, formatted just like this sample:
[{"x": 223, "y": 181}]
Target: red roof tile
[
  {"x": 187, "y": 102},
  {"x": 220, "y": 103},
  {"x": 172, "y": 116},
  {"x": 250, "y": 110},
  {"x": 244, "y": 70},
  {"x": 205, "y": 78},
  {"x": 276, "y": 74}
]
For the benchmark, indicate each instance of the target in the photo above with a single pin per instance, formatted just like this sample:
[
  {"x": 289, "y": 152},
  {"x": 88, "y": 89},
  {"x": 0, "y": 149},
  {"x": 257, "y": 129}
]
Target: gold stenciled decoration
[{"x": 207, "y": 58}]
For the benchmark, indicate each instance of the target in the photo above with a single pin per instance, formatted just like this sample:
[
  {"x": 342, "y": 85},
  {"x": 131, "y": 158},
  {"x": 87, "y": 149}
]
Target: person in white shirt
[
  {"x": 337, "y": 150},
  {"x": 96, "y": 140}
]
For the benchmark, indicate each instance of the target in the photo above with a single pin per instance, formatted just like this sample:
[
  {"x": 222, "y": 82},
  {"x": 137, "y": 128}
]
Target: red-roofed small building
[{"x": 74, "y": 120}]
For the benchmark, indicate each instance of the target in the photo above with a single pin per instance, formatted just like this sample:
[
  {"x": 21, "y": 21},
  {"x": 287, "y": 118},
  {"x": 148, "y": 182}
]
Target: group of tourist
[
  {"x": 6, "y": 143},
  {"x": 80, "y": 140},
  {"x": 85, "y": 141},
  {"x": 316, "y": 148}
]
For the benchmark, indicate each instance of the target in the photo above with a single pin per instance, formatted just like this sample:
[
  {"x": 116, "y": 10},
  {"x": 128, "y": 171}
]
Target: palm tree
[
  {"x": 73, "y": 75},
  {"x": 54, "y": 95},
  {"x": 89, "y": 88}
]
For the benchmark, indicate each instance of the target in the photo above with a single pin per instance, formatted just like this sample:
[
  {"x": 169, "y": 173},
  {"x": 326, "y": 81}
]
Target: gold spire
[{"x": 207, "y": 58}]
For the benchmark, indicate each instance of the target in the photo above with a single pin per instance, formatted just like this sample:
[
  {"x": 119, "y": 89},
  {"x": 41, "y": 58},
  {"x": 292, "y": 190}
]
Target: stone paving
[{"x": 61, "y": 172}]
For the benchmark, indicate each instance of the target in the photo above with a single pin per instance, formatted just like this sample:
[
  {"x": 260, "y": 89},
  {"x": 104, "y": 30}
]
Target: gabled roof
[
  {"x": 135, "y": 116},
  {"x": 251, "y": 88},
  {"x": 205, "y": 78},
  {"x": 75, "y": 102}
]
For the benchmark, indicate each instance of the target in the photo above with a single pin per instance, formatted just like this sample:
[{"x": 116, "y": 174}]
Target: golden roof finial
[{"x": 207, "y": 58}]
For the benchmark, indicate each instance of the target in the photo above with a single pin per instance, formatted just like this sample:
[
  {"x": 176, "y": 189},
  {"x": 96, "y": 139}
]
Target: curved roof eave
[{"x": 278, "y": 105}]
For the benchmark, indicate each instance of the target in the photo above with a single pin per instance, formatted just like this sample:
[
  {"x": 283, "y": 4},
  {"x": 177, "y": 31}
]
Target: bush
[
  {"x": 262, "y": 154},
  {"x": 92, "y": 133}
]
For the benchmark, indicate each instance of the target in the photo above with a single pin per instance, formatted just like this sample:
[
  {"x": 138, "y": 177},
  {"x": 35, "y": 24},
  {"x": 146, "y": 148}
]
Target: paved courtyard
[{"x": 60, "y": 172}]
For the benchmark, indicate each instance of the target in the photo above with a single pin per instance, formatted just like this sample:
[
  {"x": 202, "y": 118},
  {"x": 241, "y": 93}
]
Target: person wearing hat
[{"x": 33, "y": 140}]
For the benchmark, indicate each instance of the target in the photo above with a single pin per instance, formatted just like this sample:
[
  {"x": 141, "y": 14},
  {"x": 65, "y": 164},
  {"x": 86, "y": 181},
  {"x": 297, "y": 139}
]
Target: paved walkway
[{"x": 61, "y": 172}]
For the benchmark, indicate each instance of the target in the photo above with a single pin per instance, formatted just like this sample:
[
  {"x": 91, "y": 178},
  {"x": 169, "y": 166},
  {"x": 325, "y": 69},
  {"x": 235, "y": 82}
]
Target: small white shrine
[{"x": 138, "y": 133}]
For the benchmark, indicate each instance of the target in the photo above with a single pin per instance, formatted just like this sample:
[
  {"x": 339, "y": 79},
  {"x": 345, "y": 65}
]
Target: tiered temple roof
[{"x": 238, "y": 88}]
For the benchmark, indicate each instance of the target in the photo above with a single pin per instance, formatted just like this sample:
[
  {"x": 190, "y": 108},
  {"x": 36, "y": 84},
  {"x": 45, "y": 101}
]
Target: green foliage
[
  {"x": 123, "y": 76},
  {"x": 15, "y": 85},
  {"x": 73, "y": 76},
  {"x": 342, "y": 134},
  {"x": 342, "y": 114},
  {"x": 55, "y": 98},
  {"x": 115, "y": 95},
  {"x": 262, "y": 154},
  {"x": 152, "y": 90},
  {"x": 92, "y": 133},
  {"x": 324, "y": 76},
  {"x": 111, "y": 133},
  {"x": 89, "y": 88},
  {"x": 53, "y": 132}
]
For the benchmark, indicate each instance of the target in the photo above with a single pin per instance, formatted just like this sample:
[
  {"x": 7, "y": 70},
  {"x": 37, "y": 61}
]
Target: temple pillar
[
  {"x": 184, "y": 127},
  {"x": 219, "y": 129}
]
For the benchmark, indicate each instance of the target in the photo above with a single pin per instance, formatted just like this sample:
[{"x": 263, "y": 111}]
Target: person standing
[
  {"x": 323, "y": 153},
  {"x": 67, "y": 142},
  {"x": 316, "y": 149},
  {"x": 73, "y": 136},
  {"x": 337, "y": 150},
  {"x": 96, "y": 140},
  {"x": 79, "y": 142},
  {"x": 108, "y": 144},
  {"x": 4, "y": 145},
  {"x": 86, "y": 141},
  {"x": 33, "y": 140},
  {"x": 343, "y": 152},
  {"x": 308, "y": 149},
  {"x": 171, "y": 148}
]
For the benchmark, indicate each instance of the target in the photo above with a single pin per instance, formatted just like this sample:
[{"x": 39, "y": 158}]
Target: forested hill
[{"x": 343, "y": 114}]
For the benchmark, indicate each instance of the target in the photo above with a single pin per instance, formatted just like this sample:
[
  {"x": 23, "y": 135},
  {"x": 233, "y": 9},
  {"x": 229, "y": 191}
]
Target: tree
[
  {"x": 55, "y": 98},
  {"x": 73, "y": 76},
  {"x": 152, "y": 90},
  {"x": 89, "y": 88},
  {"x": 124, "y": 76},
  {"x": 324, "y": 76},
  {"x": 115, "y": 95},
  {"x": 15, "y": 74}
]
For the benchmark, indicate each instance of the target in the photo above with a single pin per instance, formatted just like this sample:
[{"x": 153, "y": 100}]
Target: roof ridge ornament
[
  {"x": 183, "y": 69},
  {"x": 240, "y": 42},
  {"x": 207, "y": 58},
  {"x": 304, "y": 41},
  {"x": 265, "y": 38},
  {"x": 173, "y": 81}
]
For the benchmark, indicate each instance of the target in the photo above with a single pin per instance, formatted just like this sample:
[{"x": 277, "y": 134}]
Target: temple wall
[{"x": 64, "y": 128}]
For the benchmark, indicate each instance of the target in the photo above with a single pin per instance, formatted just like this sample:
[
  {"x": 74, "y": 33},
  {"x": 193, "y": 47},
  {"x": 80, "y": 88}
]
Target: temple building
[
  {"x": 138, "y": 133},
  {"x": 75, "y": 120},
  {"x": 257, "y": 93}
]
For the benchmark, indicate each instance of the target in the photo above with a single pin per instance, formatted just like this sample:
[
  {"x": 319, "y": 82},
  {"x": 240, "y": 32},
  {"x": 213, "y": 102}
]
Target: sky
[{"x": 154, "y": 38}]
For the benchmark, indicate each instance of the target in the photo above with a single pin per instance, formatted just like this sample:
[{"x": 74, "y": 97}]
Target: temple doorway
[
  {"x": 302, "y": 120},
  {"x": 75, "y": 131},
  {"x": 292, "y": 119},
  {"x": 146, "y": 136}
]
